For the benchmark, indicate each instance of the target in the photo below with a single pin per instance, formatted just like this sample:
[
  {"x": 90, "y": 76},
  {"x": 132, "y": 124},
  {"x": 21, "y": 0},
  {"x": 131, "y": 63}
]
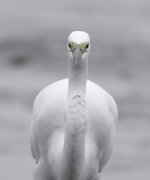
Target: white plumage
[{"x": 74, "y": 122}]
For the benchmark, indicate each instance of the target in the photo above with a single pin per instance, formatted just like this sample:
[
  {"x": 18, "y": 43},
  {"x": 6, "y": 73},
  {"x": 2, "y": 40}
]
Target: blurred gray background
[{"x": 33, "y": 37}]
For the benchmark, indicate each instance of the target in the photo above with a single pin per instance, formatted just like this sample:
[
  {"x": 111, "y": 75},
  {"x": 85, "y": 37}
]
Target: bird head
[{"x": 78, "y": 46}]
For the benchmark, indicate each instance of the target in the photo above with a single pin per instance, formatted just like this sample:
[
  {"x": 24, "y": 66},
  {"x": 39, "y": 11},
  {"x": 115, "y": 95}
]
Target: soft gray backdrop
[{"x": 33, "y": 37}]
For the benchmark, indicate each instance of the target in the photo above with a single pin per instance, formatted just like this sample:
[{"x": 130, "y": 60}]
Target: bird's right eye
[
  {"x": 69, "y": 44},
  {"x": 72, "y": 45}
]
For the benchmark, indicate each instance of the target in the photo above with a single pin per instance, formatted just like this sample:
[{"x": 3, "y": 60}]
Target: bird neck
[
  {"x": 76, "y": 118},
  {"x": 77, "y": 77}
]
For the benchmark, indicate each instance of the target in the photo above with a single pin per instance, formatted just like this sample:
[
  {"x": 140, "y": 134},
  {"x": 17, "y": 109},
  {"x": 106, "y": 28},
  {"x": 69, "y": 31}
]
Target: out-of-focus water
[{"x": 33, "y": 39}]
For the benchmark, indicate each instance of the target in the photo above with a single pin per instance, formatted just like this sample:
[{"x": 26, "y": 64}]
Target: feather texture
[{"x": 75, "y": 130}]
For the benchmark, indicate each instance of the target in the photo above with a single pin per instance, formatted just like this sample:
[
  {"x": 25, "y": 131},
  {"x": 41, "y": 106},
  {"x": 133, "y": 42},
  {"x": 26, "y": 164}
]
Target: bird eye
[
  {"x": 87, "y": 46},
  {"x": 72, "y": 45},
  {"x": 69, "y": 44},
  {"x": 84, "y": 46}
]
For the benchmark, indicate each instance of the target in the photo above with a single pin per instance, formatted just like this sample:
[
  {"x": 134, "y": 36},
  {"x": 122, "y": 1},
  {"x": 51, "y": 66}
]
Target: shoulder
[
  {"x": 51, "y": 95},
  {"x": 52, "y": 89},
  {"x": 101, "y": 98}
]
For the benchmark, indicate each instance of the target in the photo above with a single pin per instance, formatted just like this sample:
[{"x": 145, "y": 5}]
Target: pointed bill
[{"x": 77, "y": 55}]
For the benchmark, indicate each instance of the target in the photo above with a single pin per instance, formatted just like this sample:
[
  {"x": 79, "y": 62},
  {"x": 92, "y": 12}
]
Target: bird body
[{"x": 73, "y": 128}]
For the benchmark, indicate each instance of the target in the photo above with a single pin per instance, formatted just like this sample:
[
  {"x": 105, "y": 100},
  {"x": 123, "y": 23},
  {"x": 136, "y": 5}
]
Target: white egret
[{"x": 74, "y": 121}]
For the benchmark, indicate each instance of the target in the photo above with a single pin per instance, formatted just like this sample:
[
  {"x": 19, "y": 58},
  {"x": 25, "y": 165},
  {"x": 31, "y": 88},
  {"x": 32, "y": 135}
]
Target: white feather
[
  {"x": 79, "y": 37},
  {"x": 92, "y": 147}
]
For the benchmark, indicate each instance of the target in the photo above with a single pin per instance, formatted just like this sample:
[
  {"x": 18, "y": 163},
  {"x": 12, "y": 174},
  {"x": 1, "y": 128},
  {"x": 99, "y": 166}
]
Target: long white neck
[
  {"x": 75, "y": 122},
  {"x": 77, "y": 77}
]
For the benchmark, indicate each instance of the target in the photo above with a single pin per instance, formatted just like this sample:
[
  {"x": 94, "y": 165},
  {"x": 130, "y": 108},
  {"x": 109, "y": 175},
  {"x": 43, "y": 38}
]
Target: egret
[{"x": 74, "y": 121}]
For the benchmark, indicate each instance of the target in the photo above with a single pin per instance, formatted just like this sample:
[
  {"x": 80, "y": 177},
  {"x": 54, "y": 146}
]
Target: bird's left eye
[
  {"x": 84, "y": 46},
  {"x": 87, "y": 46}
]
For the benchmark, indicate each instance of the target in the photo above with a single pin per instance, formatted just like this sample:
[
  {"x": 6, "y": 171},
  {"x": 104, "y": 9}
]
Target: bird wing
[
  {"x": 33, "y": 139},
  {"x": 34, "y": 147},
  {"x": 103, "y": 114},
  {"x": 48, "y": 108},
  {"x": 114, "y": 112}
]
